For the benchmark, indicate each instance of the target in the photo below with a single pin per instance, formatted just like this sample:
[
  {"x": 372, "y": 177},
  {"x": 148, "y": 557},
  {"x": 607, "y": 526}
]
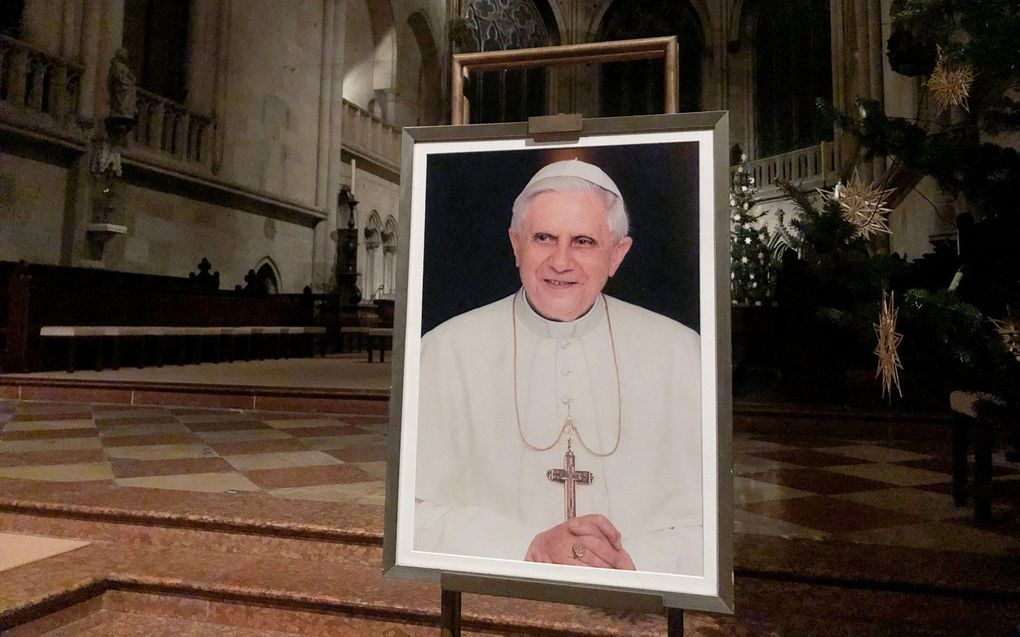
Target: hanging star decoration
[
  {"x": 950, "y": 83},
  {"x": 1009, "y": 329},
  {"x": 887, "y": 350},
  {"x": 862, "y": 205}
]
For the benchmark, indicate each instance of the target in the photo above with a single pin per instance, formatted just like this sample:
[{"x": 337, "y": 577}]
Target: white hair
[{"x": 619, "y": 224}]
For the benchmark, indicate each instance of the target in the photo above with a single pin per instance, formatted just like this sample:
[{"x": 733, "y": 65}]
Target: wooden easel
[{"x": 556, "y": 128}]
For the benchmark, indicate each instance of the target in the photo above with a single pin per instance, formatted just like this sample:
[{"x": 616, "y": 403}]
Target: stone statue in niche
[{"x": 123, "y": 94}]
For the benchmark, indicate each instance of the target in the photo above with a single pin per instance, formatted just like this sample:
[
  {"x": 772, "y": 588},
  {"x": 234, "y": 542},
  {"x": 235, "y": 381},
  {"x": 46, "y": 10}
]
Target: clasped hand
[{"x": 589, "y": 540}]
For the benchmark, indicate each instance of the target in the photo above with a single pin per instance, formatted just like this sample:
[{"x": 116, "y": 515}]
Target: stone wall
[{"x": 31, "y": 209}]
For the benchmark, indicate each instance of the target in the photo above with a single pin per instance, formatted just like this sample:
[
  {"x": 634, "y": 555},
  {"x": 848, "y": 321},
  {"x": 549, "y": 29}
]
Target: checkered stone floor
[
  {"x": 288, "y": 455},
  {"x": 889, "y": 493}
]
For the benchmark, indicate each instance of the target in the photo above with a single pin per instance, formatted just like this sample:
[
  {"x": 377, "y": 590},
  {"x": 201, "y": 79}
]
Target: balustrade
[
  {"x": 41, "y": 83},
  {"x": 367, "y": 135},
  {"x": 807, "y": 168},
  {"x": 167, "y": 127}
]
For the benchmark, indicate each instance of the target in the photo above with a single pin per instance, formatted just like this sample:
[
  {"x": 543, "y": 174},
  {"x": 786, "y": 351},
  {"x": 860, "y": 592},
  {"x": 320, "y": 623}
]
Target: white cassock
[{"x": 480, "y": 491}]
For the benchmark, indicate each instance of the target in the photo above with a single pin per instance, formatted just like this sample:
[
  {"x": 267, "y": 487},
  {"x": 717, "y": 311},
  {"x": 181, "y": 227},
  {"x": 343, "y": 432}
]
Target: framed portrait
[{"x": 561, "y": 402}]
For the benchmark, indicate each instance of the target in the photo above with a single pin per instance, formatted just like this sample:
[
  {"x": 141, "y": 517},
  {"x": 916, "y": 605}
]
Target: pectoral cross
[{"x": 570, "y": 477}]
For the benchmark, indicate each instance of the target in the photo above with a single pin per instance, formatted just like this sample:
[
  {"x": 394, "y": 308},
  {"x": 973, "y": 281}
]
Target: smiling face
[{"x": 565, "y": 252}]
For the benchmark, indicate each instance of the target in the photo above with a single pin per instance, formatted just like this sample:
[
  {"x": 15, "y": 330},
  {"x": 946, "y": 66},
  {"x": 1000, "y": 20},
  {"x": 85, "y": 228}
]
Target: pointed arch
[
  {"x": 429, "y": 80},
  {"x": 636, "y": 88},
  {"x": 370, "y": 51},
  {"x": 268, "y": 274},
  {"x": 389, "y": 237}
]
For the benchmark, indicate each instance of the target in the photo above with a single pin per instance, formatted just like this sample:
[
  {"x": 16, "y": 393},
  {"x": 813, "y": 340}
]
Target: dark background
[{"x": 468, "y": 199}]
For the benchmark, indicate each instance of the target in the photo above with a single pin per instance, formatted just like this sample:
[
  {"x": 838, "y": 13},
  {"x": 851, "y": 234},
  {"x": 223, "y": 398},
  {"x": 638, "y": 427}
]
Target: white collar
[{"x": 546, "y": 328}]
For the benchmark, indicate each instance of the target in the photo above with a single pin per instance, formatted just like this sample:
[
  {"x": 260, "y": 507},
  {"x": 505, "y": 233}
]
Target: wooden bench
[
  {"x": 967, "y": 427},
  {"x": 223, "y": 339},
  {"x": 379, "y": 338},
  {"x": 152, "y": 318}
]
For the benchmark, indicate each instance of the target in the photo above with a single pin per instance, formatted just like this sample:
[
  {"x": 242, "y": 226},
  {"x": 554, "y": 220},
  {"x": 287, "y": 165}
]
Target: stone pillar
[{"x": 330, "y": 134}]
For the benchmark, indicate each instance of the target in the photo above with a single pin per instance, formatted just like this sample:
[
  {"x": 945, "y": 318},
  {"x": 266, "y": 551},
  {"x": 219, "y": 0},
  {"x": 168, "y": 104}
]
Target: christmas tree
[{"x": 750, "y": 276}]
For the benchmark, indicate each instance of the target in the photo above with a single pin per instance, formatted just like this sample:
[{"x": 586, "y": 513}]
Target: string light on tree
[{"x": 750, "y": 276}]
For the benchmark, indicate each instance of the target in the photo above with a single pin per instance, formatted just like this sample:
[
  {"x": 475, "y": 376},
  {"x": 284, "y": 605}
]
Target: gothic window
[
  {"x": 503, "y": 25},
  {"x": 267, "y": 279},
  {"x": 10, "y": 17},
  {"x": 389, "y": 241},
  {"x": 156, "y": 37},
  {"x": 792, "y": 70},
  {"x": 636, "y": 88},
  {"x": 373, "y": 257}
]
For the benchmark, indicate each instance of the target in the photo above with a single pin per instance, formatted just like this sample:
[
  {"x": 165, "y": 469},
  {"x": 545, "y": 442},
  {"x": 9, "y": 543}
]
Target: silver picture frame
[{"x": 702, "y": 136}]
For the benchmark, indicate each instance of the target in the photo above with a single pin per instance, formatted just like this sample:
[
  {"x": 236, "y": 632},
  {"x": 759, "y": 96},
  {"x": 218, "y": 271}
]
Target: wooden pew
[{"x": 98, "y": 307}]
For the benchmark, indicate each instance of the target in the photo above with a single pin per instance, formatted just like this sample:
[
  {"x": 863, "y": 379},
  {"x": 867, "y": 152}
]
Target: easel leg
[
  {"x": 675, "y": 622},
  {"x": 450, "y": 620}
]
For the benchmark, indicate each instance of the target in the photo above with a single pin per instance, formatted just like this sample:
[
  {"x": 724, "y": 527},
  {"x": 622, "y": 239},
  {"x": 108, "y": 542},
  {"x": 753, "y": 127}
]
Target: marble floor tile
[
  {"x": 308, "y": 476},
  {"x": 35, "y": 425},
  {"x": 299, "y": 423},
  {"x": 357, "y": 493},
  {"x": 746, "y": 445},
  {"x": 132, "y": 468},
  {"x": 877, "y": 453},
  {"x": 161, "y": 452},
  {"x": 60, "y": 456},
  {"x": 945, "y": 536},
  {"x": 754, "y": 524},
  {"x": 83, "y": 472},
  {"x": 17, "y": 549},
  {"x": 829, "y": 514},
  {"x": 204, "y": 482},
  {"x": 150, "y": 439},
  {"x": 223, "y": 415},
  {"x": 146, "y": 430},
  {"x": 240, "y": 447},
  {"x": 135, "y": 420},
  {"x": 893, "y": 474},
  {"x": 747, "y": 490},
  {"x": 44, "y": 434},
  {"x": 376, "y": 469},
  {"x": 279, "y": 460},
  {"x": 227, "y": 425},
  {"x": 925, "y": 504},
  {"x": 341, "y": 442},
  {"x": 327, "y": 430},
  {"x": 248, "y": 434},
  {"x": 815, "y": 480},
  {"x": 806, "y": 457},
  {"x": 745, "y": 465},
  {"x": 15, "y": 446},
  {"x": 371, "y": 453}
]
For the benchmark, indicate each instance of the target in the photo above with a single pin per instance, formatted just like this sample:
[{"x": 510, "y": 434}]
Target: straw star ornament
[
  {"x": 950, "y": 84},
  {"x": 1009, "y": 329},
  {"x": 862, "y": 205},
  {"x": 887, "y": 350}
]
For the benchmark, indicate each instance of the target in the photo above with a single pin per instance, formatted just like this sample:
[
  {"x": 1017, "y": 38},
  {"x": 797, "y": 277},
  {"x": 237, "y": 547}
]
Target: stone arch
[
  {"x": 370, "y": 52},
  {"x": 790, "y": 66},
  {"x": 635, "y": 88},
  {"x": 429, "y": 84},
  {"x": 268, "y": 274},
  {"x": 699, "y": 6},
  {"x": 389, "y": 241},
  {"x": 374, "y": 263},
  {"x": 502, "y": 25}
]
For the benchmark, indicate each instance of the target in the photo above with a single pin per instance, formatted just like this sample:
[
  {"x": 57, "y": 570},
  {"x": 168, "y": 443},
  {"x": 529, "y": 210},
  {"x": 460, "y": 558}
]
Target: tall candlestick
[{"x": 354, "y": 176}]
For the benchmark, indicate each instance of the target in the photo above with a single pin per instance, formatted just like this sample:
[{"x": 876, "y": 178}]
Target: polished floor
[{"x": 893, "y": 493}]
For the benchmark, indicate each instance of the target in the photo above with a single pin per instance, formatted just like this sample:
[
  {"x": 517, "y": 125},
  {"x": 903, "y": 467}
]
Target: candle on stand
[{"x": 354, "y": 176}]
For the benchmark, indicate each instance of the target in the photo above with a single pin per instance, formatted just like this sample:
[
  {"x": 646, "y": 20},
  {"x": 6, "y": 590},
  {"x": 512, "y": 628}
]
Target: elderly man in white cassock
[{"x": 559, "y": 424}]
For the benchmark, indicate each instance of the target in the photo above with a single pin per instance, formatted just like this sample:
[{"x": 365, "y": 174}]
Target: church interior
[{"x": 197, "y": 319}]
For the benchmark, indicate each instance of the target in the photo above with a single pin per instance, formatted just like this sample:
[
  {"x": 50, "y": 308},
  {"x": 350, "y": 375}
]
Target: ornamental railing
[
  {"x": 169, "y": 128},
  {"x": 808, "y": 168},
  {"x": 38, "y": 82},
  {"x": 366, "y": 135}
]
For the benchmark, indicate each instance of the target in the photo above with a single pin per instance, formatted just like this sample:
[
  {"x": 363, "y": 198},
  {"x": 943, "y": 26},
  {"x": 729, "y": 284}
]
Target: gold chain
[{"x": 568, "y": 424}]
